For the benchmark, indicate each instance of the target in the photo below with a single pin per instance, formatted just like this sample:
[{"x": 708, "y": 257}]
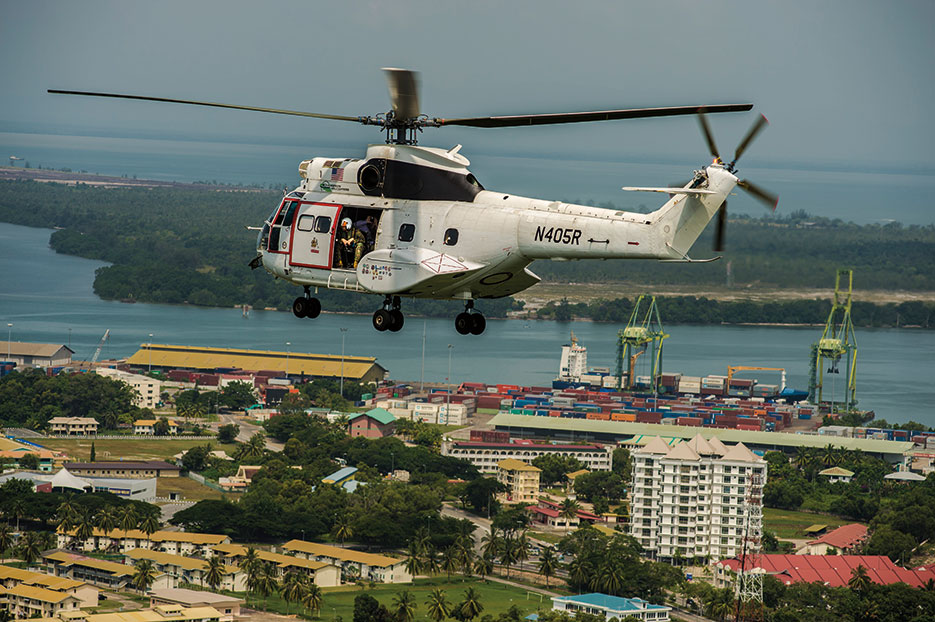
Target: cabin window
[
  {"x": 306, "y": 222},
  {"x": 451, "y": 237},
  {"x": 323, "y": 224},
  {"x": 407, "y": 231}
]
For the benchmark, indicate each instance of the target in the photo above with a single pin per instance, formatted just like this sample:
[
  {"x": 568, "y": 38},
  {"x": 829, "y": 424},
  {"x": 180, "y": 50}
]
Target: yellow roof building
[
  {"x": 360, "y": 368},
  {"x": 162, "y": 613},
  {"x": 512, "y": 464},
  {"x": 341, "y": 554}
]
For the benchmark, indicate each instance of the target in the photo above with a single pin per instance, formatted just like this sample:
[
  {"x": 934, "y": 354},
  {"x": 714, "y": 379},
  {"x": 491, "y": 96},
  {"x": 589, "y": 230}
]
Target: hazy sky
[{"x": 841, "y": 82}]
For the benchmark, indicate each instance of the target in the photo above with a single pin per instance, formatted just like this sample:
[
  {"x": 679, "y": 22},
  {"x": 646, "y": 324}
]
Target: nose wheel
[
  {"x": 306, "y": 306},
  {"x": 389, "y": 317},
  {"x": 471, "y": 321}
]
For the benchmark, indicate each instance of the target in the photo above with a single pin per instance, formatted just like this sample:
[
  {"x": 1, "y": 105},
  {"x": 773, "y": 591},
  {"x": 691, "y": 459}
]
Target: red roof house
[
  {"x": 832, "y": 570},
  {"x": 844, "y": 539}
]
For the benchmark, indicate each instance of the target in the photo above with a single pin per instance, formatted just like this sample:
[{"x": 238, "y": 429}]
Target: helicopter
[{"x": 409, "y": 221}]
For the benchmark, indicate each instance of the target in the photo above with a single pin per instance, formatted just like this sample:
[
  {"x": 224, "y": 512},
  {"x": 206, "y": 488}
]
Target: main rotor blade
[
  {"x": 768, "y": 198},
  {"x": 754, "y": 130},
  {"x": 721, "y": 228},
  {"x": 597, "y": 115},
  {"x": 295, "y": 113},
  {"x": 404, "y": 92},
  {"x": 708, "y": 136}
]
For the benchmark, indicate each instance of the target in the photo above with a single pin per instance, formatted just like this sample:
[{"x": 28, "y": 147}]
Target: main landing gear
[
  {"x": 470, "y": 321},
  {"x": 306, "y": 306},
  {"x": 389, "y": 317}
]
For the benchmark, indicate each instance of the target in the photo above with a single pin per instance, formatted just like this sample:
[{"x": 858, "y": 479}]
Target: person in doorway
[
  {"x": 368, "y": 227},
  {"x": 344, "y": 241}
]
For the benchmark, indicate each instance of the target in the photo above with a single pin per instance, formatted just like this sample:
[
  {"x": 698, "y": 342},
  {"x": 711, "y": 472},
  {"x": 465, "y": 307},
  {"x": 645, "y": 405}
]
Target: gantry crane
[
  {"x": 634, "y": 340},
  {"x": 837, "y": 341}
]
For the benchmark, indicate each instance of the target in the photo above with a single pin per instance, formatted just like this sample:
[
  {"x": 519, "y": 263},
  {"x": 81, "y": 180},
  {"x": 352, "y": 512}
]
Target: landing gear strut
[
  {"x": 470, "y": 321},
  {"x": 306, "y": 306},
  {"x": 389, "y": 317}
]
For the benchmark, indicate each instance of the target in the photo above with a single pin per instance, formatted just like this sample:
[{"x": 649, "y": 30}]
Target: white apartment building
[
  {"x": 438, "y": 410},
  {"x": 147, "y": 388},
  {"x": 689, "y": 500},
  {"x": 486, "y": 456}
]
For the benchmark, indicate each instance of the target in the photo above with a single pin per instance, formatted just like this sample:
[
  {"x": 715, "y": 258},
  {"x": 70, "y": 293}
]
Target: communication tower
[
  {"x": 837, "y": 341},
  {"x": 639, "y": 336},
  {"x": 749, "y": 590}
]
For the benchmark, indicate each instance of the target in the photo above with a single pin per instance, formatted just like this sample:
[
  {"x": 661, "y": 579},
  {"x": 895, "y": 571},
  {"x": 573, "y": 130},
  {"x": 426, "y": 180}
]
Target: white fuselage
[{"x": 456, "y": 248}]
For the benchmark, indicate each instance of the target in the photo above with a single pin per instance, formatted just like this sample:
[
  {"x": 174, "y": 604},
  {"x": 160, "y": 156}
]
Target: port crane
[
  {"x": 639, "y": 335},
  {"x": 100, "y": 346},
  {"x": 837, "y": 341}
]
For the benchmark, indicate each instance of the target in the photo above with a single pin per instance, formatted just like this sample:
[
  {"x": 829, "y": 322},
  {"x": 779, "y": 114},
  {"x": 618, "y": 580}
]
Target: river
[{"x": 48, "y": 298}]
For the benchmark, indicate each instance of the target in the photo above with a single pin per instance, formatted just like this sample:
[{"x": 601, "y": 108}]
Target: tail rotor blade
[
  {"x": 721, "y": 228},
  {"x": 709, "y": 137},
  {"x": 754, "y": 130},
  {"x": 765, "y": 196},
  {"x": 404, "y": 92}
]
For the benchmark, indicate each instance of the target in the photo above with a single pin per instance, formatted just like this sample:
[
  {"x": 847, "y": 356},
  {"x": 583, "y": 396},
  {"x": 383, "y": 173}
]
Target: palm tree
[
  {"x": 84, "y": 527},
  {"x": 6, "y": 540},
  {"x": 126, "y": 518},
  {"x": 30, "y": 546},
  {"x": 413, "y": 563},
  {"x": 437, "y": 604},
  {"x": 610, "y": 578},
  {"x": 145, "y": 574},
  {"x": 253, "y": 448},
  {"x": 471, "y": 606},
  {"x": 491, "y": 543},
  {"x": 343, "y": 529},
  {"x": 860, "y": 579},
  {"x": 312, "y": 599},
  {"x": 106, "y": 519},
  {"x": 149, "y": 525},
  {"x": 579, "y": 571},
  {"x": 449, "y": 560},
  {"x": 548, "y": 564},
  {"x": 17, "y": 510},
  {"x": 484, "y": 566},
  {"x": 430, "y": 560},
  {"x": 508, "y": 554},
  {"x": 830, "y": 456},
  {"x": 266, "y": 582},
  {"x": 465, "y": 553},
  {"x": 568, "y": 510},
  {"x": 250, "y": 563},
  {"x": 522, "y": 549},
  {"x": 214, "y": 573},
  {"x": 404, "y": 606},
  {"x": 293, "y": 587}
]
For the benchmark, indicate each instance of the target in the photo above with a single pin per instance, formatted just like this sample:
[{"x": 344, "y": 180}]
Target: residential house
[
  {"x": 87, "y": 595},
  {"x": 29, "y": 601},
  {"x": 241, "y": 481},
  {"x": 354, "y": 564},
  {"x": 91, "y": 570},
  {"x": 73, "y": 426},
  {"x": 520, "y": 478},
  {"x": 606, "y": 606},
  {"x": 322, "y": 573},
  {"x": 837, "y": 474},
  {"x": 172, "y": 542},
  {"x": 846, "y": 539},
  {"x": 146, "y": 427},
  {"x": 189, "y": 569},
  {"x": 831, "y": 570},
  {"x": 375, "y": 423}
]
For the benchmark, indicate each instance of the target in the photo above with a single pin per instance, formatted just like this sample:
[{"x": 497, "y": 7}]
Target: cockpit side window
[{"x": 289, "y": 213}]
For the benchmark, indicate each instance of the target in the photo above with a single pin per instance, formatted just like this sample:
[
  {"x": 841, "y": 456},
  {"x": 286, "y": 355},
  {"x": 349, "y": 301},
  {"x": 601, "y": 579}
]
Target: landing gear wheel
[
  {"x": 312, "y": 308},
  {"x": 396, "y": 320},
  {"x": 463, "y": 323},
  {"x": 478, "y": 323},
  {"x": 300, "y": 307},
  {"x": 382, "y": 320}
]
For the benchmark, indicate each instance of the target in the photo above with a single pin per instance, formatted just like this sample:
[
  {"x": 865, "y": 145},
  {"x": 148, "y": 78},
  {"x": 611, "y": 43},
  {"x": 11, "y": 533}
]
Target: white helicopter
[{"x": 413, "y": 221}]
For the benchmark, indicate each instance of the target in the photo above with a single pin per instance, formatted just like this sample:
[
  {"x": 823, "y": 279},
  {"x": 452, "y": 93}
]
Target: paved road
[{"x": 247, "y": 429}]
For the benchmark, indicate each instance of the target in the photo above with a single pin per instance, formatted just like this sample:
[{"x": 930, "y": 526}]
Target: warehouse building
[
  {"x": 26, "y": 354},
  {"x": 585, "y": 430},
  {"x": 295, "y": 364}
]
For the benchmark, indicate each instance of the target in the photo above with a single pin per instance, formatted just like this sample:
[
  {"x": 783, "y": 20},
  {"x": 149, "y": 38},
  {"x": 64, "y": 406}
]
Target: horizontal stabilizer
[{"x": 668, "y": 190}]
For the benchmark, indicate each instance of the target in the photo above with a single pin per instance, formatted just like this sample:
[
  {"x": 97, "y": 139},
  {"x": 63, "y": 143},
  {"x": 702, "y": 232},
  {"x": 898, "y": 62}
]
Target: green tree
[
  {"x": 343, "y": 528},
  {"x": 84, "y": 527},
  {"x": 214, "y": 573},
  {"x": 568, "y": 510},
  {"x": 6, "y": 540},
  {"x": 127, "y": 518},
  {"x": 471, "y": 606},
  {"x": 29, "y": 462},
  {"x": 144, "y": 574},
  {"x": 548, "y": 564},
  {"x": 404, "y": 606},
  {"x": 437, "y": 605},
  {"x": 266, "y": 582},
  {"x": 238, "y": 395},
  {"x": 161, "y": 427},
  {"x": 149, "y": 525},
  {"x": 253, "y": 448},
  {"x": 294, "y": 586},
  {"x": 860, "y": 579},
  {"x": 29, "y": 547},
  {"x": 449, "y": 561},
  {"x": 228, "y": 433},
  {"x": 313, "y": 598},
  {"x": 93, "y": 455},
  {"x": 554, "y": 467}
]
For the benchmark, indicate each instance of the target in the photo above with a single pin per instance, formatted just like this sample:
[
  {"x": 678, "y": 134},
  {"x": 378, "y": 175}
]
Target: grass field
[
  {"x": 495, "y": 597},
  {"x": 790, "y": 524},
  {"x": 189, "y": 489},
  {"x": 127, "y": 449}
]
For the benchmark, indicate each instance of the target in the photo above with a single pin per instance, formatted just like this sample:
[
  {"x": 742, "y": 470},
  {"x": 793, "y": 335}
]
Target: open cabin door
[{"x": 313, "y": 235}]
